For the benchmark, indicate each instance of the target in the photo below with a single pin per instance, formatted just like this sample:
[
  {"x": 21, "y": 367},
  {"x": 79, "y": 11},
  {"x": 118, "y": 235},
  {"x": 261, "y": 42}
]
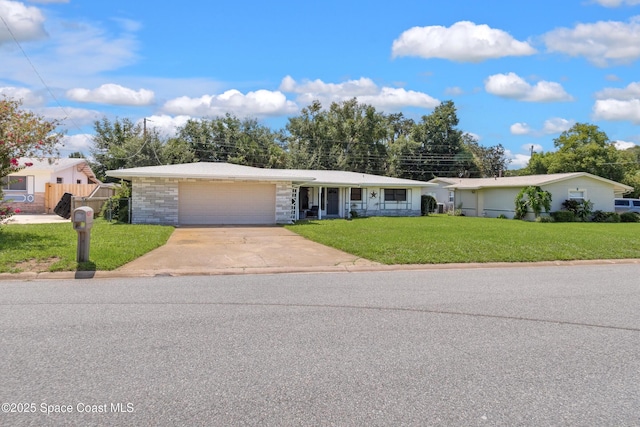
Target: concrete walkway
[
  {"x": 36, "y": 219},
  {"x": 199, "y": 250}
]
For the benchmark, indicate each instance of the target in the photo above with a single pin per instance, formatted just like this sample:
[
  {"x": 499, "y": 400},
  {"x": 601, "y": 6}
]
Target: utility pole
[{"x": 532, "y": 151}]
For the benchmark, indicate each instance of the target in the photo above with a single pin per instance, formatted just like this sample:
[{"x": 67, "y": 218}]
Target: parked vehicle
[{"x": 627, "y": 205}]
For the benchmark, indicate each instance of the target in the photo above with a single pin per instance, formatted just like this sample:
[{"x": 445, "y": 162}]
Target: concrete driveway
[{"x": 196, "y": 250}]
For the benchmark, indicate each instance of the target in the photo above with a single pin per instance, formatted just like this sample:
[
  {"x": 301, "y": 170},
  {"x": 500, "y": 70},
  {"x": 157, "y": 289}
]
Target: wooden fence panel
[{"x": 53, "y": 193}]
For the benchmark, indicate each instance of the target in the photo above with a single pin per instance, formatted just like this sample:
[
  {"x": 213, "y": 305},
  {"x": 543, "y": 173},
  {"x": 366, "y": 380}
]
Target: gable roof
[
  {"x": 525, "y": 181},
  {"x": 228, "y": 171},
  {"x": 55, "y": 165}
]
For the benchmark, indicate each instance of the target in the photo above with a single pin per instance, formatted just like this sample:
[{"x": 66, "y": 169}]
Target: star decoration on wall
[{"x": 373, "y": 194}]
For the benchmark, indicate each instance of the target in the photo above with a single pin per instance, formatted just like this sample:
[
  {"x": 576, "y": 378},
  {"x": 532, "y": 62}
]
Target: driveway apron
[{"x": 198, "y": 249}]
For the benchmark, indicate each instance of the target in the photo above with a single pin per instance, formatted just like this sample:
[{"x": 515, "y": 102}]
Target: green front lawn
[
  {"x": 52, "y": 247},
  {"x": 439, "y": 239}
]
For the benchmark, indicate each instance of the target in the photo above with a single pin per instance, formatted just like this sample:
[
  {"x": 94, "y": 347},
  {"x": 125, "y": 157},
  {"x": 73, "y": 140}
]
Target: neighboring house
[
  {"x": 492, "y": 197},
  {"x": 223, "y": 193},
  {"x": 39, "y": 185},
  {"x": 444, "y": 196}
]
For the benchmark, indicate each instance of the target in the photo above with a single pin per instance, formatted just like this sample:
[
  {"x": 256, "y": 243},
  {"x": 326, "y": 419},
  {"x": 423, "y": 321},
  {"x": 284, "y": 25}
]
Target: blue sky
[{"x": 519, "y": 72}]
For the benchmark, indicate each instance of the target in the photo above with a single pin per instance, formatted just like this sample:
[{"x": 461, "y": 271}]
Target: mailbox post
[{"x": 83, "y": 222}]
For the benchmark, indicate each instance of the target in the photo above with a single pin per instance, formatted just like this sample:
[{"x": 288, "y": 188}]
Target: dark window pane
[
  {"x": 356, "y": 194},
  {"x": 16, "y": 183},
  {"x": 395, "y": 194}
]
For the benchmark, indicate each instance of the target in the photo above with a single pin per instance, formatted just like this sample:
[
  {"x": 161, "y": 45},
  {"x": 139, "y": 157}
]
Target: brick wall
[
  {"x": 155, "y": 201},
  {"x": 284, "y": 196},
  {"x": 35, "y": 207}
]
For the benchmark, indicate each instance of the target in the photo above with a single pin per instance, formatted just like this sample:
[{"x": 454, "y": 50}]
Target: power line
[{"x": 35, "y": 70}]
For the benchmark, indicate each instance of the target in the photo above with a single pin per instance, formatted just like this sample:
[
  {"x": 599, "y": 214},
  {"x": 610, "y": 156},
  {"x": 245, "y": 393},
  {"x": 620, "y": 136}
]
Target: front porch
[{"x": 329, "y": 202}]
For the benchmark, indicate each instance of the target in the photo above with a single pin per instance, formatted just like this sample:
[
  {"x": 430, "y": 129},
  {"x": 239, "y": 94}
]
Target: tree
[
  {"x": 348, "y": 136},
  {"x": 230, "y": 139},
  {"x": 358, "y": 133},
  {"x": 442, "y": 152},
  {"x": 490, "y": 161},
  {"x": 630, "y": 158},
  {"x": 115, "y": 144},
  {"x": 583, "y": 148},
  {"x": 22, "y": 134},
  {"x": 532, "y": 197}
]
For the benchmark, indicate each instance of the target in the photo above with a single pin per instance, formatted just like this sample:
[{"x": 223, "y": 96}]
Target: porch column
[
  {"x": 319, "y": 202},
  {"x": 347, "y": 205}
]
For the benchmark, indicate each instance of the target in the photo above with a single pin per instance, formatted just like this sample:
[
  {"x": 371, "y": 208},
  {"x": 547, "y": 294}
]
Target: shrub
[
  {"x": 571, "y": 205},
  {"x": 428, "y": 204},
  {"x": 629, "y": 217},
  {"x": 353, "y": 213},
  {"x": 544, "y": 219},
  {"x": 502, "y": 216},
  {"x": 563, "y": 216},
  {"x": 584, "y": 210},
  {"x": 600, "y": 216}
]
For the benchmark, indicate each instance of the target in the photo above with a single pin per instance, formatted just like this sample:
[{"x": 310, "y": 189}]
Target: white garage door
[{"x": 237, "y": 203}]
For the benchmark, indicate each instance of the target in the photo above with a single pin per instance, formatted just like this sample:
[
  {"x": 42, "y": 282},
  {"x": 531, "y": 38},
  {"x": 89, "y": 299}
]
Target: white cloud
[
  {"x": 536, "y": 147},
  {"x": 351, "y": 88},
  {"x": 624, "y": 145},
  {"x": 26, "y": 22},
  {"x": 557, "y": 125},
  {"x": 367, "y": 92},
  {"x": 454, "y": 91},
  {"x": 616, "y": 3},
  {"x": 632, "y": 91},
  {"x": 112, "y": 94},
  {"x": 520, "y": 129},
  {"x": 70, "y": 117},
  {"x": 48, "y": 1},
  {"x": 27, "y": 96},
  {"x": 259, "y": 103},
  {"x": 515, "y": 87},
  {"x": 166, "y": 125},
  {"x": 554, "y": 125},
  {"x": 617, "y": 110},
  {"x": 75, "y": 51},
  {"x": 464, "y": 41},
  {"x": 602, "y": 43},
  {"x": 80, "y": 142},
  {"x": 518, "y": 161}
]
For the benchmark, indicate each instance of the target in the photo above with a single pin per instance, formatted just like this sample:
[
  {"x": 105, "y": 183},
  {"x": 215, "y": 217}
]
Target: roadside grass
[
  {"x": 438, "y": 239},
  {"x": 52, "y": 247}
]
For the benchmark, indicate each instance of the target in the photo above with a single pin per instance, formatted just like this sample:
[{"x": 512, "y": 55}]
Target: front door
[{"x": 333, "y": 201}]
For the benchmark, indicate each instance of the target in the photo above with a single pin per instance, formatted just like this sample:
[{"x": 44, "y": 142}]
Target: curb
[{"x": 85, "y": 275}]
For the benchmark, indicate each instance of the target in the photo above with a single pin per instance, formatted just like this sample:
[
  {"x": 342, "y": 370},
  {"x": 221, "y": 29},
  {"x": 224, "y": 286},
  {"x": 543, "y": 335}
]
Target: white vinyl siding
[{"x": 210, "y": 203}]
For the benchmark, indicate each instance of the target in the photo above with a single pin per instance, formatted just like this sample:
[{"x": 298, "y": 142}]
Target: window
[
  {"x": 577, "y": 195},
  {"x": 78, "y": 181},
  {"x": 58, "y": 180},
  {"x": 451, "y": 196},
  {"x": 636, "y": 203},
  {"x": 14, "y": 183},
  {"x": 356, "y": 194},
  {"x": 395, "y": 194},
  {"x": 622, "y": 203}
]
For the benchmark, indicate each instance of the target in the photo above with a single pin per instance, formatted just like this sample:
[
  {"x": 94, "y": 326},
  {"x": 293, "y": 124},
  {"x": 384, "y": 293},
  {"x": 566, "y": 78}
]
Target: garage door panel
[{"x": 229, "y": 203}]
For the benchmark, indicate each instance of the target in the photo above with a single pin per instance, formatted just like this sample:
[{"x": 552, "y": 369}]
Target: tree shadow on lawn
[{"x": 29, "y": 241}]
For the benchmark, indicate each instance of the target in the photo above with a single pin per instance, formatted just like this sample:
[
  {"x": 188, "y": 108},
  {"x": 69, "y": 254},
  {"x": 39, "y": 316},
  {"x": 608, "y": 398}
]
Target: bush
[
  {"x": 601, "y": 216},
  {"x": 502, "y": 216},
  {"x": 563, "y": 216},
  {"x": 544, "y": 219},
  {"x": 428, "y": 204},
  {"x": 629, "y": 217},
  {"x": 571, "y": 205}
]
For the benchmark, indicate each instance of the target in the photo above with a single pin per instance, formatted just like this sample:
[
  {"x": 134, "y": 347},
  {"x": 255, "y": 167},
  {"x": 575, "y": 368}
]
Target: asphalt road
[{"x": 482, "y": 347}]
